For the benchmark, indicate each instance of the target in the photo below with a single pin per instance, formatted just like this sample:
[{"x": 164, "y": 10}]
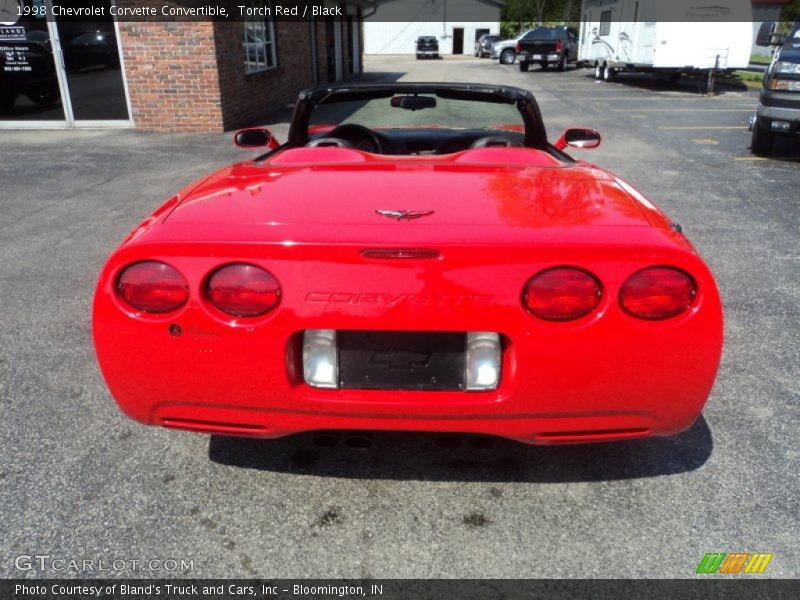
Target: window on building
[
  {"x": 605, "y": 22},
  {"x": 260, "y": 52}
]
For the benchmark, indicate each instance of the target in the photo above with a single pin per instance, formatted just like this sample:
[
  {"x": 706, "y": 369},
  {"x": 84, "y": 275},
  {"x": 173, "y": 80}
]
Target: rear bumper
[
  {"x": 265, "y": 423},
  {"x": 766, "y": 115},
  {"x": 607, "y": 376},
  {"x": 551, "y": 58}
]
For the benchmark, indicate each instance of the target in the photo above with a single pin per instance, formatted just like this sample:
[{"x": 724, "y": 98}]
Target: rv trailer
[{"x": 665, "y": 38}]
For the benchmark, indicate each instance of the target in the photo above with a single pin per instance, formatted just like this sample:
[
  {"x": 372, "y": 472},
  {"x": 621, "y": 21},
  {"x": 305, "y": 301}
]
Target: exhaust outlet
[
  {"x": 325, "y": 439},
  {"x": 358, "y": 442}
]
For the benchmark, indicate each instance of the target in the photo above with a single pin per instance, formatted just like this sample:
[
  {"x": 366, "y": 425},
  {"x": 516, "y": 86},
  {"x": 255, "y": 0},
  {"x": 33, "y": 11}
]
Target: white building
[{"x": 393, "y": 26}]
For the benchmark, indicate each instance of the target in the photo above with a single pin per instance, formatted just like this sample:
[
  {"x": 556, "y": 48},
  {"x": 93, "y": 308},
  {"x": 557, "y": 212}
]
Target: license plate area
[{"x": 401, "y": 360}]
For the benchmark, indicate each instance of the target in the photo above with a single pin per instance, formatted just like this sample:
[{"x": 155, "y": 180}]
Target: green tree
[
  {"x": 791, "y": 11},
  {"x": 522, "y": 14}
]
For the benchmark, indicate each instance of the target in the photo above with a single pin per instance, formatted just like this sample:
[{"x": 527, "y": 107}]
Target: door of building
[
  {"x": 330, "y": 49},
  {"x": 458, "y": 40},
  {"x": 59, "y": 73}
]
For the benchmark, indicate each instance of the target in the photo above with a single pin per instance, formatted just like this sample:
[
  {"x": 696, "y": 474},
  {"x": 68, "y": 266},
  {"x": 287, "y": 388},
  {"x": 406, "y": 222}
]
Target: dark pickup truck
[
  {"x": 427, "y": 47},
  {"x": 778, "y": 111},
  {"x": 548, "y": 46}
]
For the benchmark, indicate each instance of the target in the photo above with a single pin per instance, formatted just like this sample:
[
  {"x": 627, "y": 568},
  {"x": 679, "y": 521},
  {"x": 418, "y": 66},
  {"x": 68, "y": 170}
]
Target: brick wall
[
  {"x": 172, "y": 75},
  {"x": 185, "y": 76},
  {"x": 247, "y": 97}
]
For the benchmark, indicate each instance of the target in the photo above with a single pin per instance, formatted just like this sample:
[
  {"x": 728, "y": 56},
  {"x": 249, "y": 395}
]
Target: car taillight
[
  {"x": 558, "y": 45},
  {"x": 562, "y": 294},
  {"x": 518, "y": 48},
  {"x": 657, "y": 293},
  {"x": 153, "y": 287},
  {"x": 243, "y": 290}
]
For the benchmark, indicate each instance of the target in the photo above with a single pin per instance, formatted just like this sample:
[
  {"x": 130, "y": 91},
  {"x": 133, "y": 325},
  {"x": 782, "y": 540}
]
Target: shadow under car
[{"x": 463, "y": 457}]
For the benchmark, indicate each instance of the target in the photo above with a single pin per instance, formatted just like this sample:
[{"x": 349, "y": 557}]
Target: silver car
[{"x": 506, "y": 50}]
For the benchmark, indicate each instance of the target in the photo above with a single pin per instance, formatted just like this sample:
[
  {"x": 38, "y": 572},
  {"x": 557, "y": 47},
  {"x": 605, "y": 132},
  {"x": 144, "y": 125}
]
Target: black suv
[{"x": 427, "y": 46}]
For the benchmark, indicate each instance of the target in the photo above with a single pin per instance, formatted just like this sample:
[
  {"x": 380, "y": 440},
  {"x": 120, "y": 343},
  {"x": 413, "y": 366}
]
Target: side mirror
[
  {"x": 579, "y": 138},
  {"x": 768, "y": 34},
  {"x": 254, "y": 138}
]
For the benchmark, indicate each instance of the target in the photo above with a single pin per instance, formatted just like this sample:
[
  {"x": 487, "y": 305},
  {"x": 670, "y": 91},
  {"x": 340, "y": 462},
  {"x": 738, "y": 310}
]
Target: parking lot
[{"x": 78, "y": 480}]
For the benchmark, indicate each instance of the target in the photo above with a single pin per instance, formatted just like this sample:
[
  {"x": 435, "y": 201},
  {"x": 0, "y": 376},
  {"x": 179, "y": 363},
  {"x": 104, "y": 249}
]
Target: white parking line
[
  {"x": 701, "y": 127},
  {"x": 685, "y": 109}
]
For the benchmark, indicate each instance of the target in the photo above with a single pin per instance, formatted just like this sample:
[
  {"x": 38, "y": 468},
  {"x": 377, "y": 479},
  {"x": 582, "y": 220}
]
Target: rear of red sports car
[{"x": 493, "y": 290}]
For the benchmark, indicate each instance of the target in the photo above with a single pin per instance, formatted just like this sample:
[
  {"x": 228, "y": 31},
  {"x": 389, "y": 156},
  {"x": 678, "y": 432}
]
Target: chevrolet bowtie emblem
[{"x": 405, "y": 215}]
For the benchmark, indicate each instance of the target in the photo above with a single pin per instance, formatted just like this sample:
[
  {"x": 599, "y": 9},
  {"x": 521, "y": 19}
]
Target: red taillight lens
[
  {"x": 153, "y": 287},
  {"x": 657, "y": 293},
  {"x": 558, "y": 45},
  {"x": 243, "y": 290},
  {"x": 562, "y": 294},
  {"x": 518, "y": 48}
]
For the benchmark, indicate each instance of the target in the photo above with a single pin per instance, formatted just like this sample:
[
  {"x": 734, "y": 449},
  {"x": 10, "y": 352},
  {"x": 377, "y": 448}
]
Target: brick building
[{"x": 169, "y": 76}]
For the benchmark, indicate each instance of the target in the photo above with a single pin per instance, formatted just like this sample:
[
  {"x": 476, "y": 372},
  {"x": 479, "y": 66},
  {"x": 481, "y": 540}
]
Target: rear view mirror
[
  {"x": 579, "y": 138},
  {"x": 414, "y": 102},
  {"x": 254, "y": 138}
]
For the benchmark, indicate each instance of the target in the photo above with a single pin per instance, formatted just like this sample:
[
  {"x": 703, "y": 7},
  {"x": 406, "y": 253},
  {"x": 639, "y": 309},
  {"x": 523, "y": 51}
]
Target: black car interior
[{"x": 411, "y": 141}]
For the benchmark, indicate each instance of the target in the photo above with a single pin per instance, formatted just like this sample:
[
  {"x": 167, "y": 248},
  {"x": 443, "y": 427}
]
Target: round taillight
[
  {"x": 562, "y": 294},
  {"x": 243, "y": 290},
  {"x": 153, "y": 287},
  {"x": 657, "y": 293}
]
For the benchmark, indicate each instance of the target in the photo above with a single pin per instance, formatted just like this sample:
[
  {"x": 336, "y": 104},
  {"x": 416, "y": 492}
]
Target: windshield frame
[{"x": 535, "y": 133}]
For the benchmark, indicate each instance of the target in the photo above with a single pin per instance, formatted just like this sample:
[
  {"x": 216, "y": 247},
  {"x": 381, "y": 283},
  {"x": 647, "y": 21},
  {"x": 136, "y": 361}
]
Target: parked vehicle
[
  {"x": 450, "y": 270},
  {"x": 92, "y": 49},
  {"x": 506, "y": 50},
  {"x": 427, "y": 47},
  {"x": 547, "y": 46},
  {"x": 778, "y": 110},
  {"x": 644, "y": 36},
  {"x": 483, "y": 47}
]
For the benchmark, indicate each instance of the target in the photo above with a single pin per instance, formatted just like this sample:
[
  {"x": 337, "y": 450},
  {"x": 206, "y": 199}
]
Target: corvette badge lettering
[{"x": 392, "y": 300}]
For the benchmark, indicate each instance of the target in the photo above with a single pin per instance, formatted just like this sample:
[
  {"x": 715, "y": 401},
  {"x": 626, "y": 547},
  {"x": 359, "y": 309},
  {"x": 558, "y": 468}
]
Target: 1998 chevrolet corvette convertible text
[{"x": 414, "y": 257}]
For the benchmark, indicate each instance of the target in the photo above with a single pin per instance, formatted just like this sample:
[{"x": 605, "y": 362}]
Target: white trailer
[{"x": 665, "y": 38}]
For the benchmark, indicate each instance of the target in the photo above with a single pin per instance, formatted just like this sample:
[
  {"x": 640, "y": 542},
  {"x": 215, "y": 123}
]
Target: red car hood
[{"x": 273, "y": 202}]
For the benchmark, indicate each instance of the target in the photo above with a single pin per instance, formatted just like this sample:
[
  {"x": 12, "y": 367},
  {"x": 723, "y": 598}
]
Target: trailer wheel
[
  {"x": 598, "y": 71},
  {"x": 523, "y": 66},
  {"x": 762, "y": 140},
  {"x": 608, "y": 73}
]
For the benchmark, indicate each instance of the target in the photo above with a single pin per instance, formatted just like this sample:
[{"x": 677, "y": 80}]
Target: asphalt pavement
[{"x": 79, "y": 481}]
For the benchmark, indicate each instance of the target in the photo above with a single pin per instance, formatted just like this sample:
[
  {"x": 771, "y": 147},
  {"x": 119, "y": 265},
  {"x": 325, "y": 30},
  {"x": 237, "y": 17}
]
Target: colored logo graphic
[{"x": 734, "y": 562}]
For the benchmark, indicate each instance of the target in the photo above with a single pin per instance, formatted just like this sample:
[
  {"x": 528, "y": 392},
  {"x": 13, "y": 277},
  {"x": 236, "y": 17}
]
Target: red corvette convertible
[{"x": 414, "y": 257}]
